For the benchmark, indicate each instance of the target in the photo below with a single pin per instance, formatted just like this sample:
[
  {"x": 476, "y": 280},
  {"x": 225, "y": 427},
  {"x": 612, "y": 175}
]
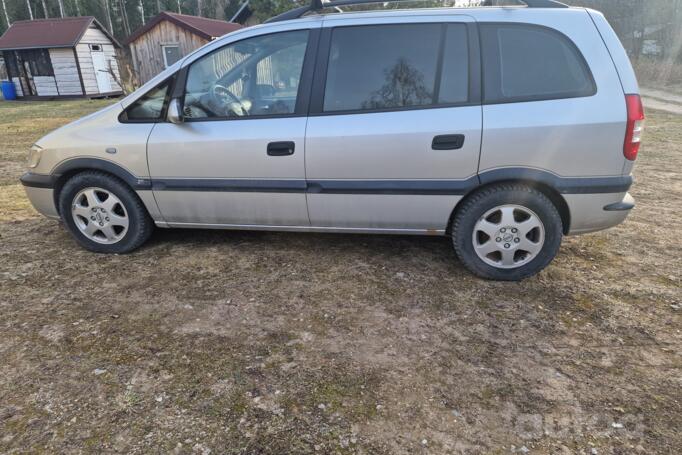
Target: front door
[
  {"x": 101, "y": 69},
  {"x": 394, "y": 133},
  {"x": 238, "y": 157}
]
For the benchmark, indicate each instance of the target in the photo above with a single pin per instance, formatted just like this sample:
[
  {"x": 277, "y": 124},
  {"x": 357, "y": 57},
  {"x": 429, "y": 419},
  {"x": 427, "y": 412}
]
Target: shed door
[{"x": 101, "y": 70}]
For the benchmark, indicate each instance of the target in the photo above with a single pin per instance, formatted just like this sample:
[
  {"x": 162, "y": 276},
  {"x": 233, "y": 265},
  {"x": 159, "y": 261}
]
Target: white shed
[{"x": 67, "y": 57}]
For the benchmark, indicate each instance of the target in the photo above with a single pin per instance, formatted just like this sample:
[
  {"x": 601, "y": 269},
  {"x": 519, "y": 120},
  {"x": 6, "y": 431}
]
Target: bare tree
[
  {"x": 78, "y": 7},
  {"x": 61, "y": 7},
  {"x": 199, "y": 7},
  {"x": 30, "y": 10},
  {"x": 107, "y": 10},
  {"x": 141, "y": 8},
  {"x": 4, "y": 9},
  {"x": 124, "y": 17},
  {"x": 45, "y": 9},
  {"x": 114, "y": 76},
  {"x": 179, "y": 9},
  {"x": 158, "y": 6}
]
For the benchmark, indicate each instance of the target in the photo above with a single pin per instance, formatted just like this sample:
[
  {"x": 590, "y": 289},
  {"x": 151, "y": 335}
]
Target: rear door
[{"x": 394, "y": 132}]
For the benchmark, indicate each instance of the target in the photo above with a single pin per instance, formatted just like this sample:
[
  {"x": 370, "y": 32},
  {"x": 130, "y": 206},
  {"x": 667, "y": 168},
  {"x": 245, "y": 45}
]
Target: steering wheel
[{"x": 228, "y": 101}]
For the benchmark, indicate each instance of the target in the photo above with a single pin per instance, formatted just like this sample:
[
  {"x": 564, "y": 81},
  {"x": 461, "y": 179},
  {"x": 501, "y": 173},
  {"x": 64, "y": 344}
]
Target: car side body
[{"x": 320, "y": 166}]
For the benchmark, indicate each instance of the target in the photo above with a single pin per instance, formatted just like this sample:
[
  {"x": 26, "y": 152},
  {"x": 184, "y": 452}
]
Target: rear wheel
[
  {"x": 507, "y": 232},
  {"x": 103, "y": 214}
]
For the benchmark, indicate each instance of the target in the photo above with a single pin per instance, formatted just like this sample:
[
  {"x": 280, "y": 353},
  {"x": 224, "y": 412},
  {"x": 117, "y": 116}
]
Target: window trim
[
  {"x": 495, "y": 56},
  {"x": 163, "y": 118},
  {"x": 163, "y": 52},
  {"x": 304, "y": 83},
  {"x": 474, "y": 55}
]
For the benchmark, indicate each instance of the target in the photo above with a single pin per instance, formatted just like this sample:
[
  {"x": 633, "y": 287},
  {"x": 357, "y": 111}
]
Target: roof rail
[{"x": 318, "y": 5}]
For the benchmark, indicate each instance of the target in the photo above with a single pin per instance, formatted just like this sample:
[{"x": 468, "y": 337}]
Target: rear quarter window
[{"x": 524, "y": 62}]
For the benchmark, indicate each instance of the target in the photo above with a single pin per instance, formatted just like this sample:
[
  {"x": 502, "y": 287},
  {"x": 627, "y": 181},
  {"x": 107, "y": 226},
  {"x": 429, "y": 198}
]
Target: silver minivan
[{"x": 504, "y": 128}]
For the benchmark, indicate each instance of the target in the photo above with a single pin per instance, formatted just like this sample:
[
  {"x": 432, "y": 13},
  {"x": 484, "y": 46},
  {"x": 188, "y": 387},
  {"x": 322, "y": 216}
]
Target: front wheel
[
  {"x": 103, "y": 214},
  {"x": 507, "y": 232}
]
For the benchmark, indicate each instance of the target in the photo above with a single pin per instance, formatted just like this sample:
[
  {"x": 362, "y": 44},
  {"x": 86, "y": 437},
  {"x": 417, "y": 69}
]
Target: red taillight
[{"x": 633, "y": 132}]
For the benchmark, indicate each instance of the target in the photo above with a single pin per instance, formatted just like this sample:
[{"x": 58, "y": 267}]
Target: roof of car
[
  {"x": 500, "y": 13},
  {"x": 318, "y": 6}
]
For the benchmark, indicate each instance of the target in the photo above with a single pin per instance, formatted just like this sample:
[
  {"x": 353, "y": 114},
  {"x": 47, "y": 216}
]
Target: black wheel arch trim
[
  {"x": 86, "y": 164},
  {"x": 563, "y": 185}
]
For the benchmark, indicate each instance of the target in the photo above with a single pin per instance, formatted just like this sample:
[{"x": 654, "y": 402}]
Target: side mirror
[{"x": 175, "y": 111}]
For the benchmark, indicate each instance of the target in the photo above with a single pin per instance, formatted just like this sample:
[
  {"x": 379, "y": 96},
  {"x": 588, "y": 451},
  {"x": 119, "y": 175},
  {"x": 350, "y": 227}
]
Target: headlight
[{"x": 34, "y": 156}]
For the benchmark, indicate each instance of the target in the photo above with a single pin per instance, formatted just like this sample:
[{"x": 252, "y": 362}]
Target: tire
[
  {"x": 85, "y": 206},
  {"x": 490, "y": 215}
]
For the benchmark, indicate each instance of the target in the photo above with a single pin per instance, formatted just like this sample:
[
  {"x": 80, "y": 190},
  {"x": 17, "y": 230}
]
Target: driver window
[{"x": 254, "y": 77}]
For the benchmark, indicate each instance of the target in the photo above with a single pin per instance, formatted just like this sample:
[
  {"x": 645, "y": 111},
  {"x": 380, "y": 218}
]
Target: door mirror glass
[{"x": 175, "y": 111}]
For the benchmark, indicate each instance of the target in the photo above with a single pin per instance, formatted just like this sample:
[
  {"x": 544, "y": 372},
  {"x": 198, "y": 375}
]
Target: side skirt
[{"x": 339, "y": 230}]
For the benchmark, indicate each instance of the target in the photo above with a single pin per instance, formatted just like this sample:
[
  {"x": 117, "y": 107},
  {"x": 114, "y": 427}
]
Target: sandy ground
[{"x": 275, "y": 343}]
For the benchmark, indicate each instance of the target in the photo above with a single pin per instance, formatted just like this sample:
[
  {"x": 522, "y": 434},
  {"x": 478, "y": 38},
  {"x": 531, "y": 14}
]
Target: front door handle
[
  {"x": 448, "y": 142},
  {"x": 281, "y": 148}
]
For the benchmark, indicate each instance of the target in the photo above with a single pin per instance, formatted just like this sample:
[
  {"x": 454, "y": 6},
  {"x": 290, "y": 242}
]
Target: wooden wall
[
  {"x": 146, "y": 51},
  {"x": 95, "y": 36},
  {"x": 65, "y": 71},
  {"x": 45, "y": 85}
]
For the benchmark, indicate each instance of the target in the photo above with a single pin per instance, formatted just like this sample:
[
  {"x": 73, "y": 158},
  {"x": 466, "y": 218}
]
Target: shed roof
[
  {"x": 201, "y": 26},
  {"x": 46, "y": 33}
]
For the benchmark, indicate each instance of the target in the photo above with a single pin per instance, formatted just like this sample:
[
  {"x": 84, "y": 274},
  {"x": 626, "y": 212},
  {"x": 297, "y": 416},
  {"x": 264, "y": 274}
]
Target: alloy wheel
[
  {"x": 508, "y": 236},
  {"x": 100, "y": 215}
]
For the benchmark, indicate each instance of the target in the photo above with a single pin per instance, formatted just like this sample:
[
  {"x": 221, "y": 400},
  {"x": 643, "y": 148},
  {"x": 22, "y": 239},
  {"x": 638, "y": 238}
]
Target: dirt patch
[{"x": 271, "y": 343}]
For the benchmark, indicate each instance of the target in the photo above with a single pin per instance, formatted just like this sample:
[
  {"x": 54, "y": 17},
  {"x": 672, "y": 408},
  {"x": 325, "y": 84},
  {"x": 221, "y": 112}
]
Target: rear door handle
[
  {"x": 281, "y": 148},
  {"x": 448, "y": 142}
]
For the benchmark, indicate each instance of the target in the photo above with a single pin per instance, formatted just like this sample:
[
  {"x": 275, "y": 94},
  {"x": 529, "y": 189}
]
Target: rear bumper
[
  {"x": 595, "y": 212},
  {"x": 39, "y": 189}
]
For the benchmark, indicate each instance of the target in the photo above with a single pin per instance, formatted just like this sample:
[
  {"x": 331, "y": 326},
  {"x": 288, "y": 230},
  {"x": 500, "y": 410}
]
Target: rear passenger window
[
  {"x": 387, "y": 67},
  {"x": 530, "y": 63}
]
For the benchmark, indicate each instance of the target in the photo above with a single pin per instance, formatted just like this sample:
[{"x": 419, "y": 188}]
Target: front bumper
[
  {"x": 595, "y": 212},
  {"x": 40, "y": 191}
]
